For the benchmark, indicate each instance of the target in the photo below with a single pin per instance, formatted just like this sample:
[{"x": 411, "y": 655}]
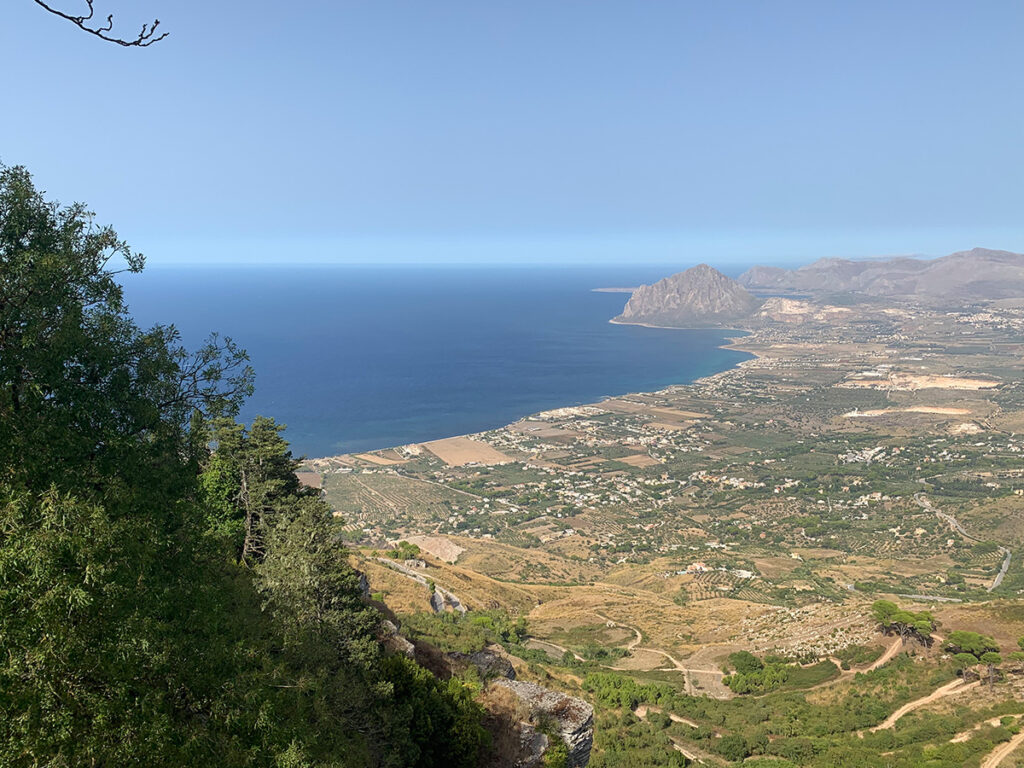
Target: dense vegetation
[
  {"x": 169, "y": 595},
  {"x": 753, "y": 675},
  {"x": 790, "y": 728}
]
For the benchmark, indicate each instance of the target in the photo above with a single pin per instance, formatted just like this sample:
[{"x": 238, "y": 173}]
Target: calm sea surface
[{"x": 357, "y": 358}]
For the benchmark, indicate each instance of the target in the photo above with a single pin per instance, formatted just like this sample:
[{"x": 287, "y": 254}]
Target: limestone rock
[
  {"x": 701, "y": 296},
  {"x": 532, "y": 746},
  {"x": 573, "y": 718},
  {"x": 489, "y": 664},
  {"x": 394, "y": 642}
]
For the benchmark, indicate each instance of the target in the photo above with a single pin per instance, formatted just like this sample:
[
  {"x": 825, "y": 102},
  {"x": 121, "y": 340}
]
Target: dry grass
[
  {"x": 373, "y": 458},
  {"x": 438, "y": 546},
  {"x": 402, "y": 595},
  {"x": 458, "y": 451},
  {"x": 640, "y": 460}
]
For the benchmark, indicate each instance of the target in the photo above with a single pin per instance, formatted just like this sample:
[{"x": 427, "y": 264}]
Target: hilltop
[{"x": 699, "y": 296}]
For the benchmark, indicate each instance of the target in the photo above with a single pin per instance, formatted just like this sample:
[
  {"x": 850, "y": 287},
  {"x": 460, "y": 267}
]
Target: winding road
[
  {"x": 949, "y": 689},
  {"x": 712, "y": 674},
  {"x": 924, "y": 503},
  {"x": 894, "y": 647}
]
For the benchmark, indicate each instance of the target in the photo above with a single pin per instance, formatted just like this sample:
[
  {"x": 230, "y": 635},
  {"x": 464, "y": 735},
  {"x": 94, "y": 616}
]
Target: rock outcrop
[
  {"x": 531, "y": 747},
  {"x": 489, "y": 664},
  {"x": 394, "y": 642},
  {"x": 572, "y": 718},
  {"x": 699, "y": 297}
]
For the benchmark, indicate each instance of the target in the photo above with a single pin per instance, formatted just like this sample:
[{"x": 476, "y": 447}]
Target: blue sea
[{"x": 355, "y": 358}]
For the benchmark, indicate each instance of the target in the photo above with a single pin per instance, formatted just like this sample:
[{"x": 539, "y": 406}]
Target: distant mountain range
[
  {"x": 977, "y": 274},
  {"x": 703, "y": 296}
]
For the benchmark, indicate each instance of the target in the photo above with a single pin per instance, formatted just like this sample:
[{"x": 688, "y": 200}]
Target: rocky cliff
[
  {"x": 701, "y": 296},
  {"x": 573, "y": 718}
]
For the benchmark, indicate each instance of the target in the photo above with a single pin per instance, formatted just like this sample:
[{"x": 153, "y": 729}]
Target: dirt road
[
  {"x": 643, "y": 709},
  {"x": 1000, "y": 753},
  {"x": 544, "y": 645},
  {"x": 698, "y": 678},
  {"x": 894, "y": 648},
  {"x": 688, "y": 752},
  {"x": 949, "y": 689}
]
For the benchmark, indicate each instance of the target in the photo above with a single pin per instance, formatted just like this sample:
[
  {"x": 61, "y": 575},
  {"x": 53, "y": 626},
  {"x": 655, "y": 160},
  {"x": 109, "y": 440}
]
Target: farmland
[{"x": 763, "y": 509}]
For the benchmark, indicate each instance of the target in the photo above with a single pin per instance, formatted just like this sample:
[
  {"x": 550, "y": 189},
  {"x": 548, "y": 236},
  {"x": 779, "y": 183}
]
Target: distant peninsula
[{"x": 703, "y": 297}]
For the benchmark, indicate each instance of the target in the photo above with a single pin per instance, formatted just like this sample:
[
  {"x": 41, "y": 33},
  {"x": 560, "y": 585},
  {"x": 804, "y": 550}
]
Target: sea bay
[{"x": 355, "y": 358}]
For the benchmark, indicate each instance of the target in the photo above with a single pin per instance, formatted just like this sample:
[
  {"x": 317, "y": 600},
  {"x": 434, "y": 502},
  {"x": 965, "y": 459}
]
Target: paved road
[
  {"x": 936, "y": 598},
  {"x": 1002, "y": 570},
  {"x": 955, "y": 524}
]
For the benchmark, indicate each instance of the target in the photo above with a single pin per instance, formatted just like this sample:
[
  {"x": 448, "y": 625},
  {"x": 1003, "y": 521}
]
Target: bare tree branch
[{"x": 146, "y": 37}]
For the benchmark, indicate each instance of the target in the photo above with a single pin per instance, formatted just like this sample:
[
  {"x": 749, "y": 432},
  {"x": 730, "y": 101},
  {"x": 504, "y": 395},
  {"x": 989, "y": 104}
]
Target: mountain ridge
[{"x": 979, "y": 273}]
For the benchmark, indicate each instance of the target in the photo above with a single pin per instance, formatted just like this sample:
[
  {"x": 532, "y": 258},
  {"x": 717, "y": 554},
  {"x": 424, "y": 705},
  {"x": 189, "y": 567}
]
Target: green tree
[
  {"x": 107, "y": 596},
  {"x": 250, "y": 479},
  {"x": 906, "y": 624},
  {"x": 128, "y": 637},
  {"x": 733, "y": 747},
  {"x": 962, "y": 641},
  {"x": 745, "y": 662}
]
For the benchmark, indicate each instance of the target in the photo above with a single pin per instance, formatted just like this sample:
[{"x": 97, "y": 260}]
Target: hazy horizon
[{"x": 579, "y": 133}]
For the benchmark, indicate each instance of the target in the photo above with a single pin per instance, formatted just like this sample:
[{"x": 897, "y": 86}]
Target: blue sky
[{"x": 319, "y": 130}]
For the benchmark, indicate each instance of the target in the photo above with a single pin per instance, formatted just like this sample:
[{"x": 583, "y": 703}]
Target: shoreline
[
  {"x": 733, "y": 345},
  {"x": 616, "y": 321}
]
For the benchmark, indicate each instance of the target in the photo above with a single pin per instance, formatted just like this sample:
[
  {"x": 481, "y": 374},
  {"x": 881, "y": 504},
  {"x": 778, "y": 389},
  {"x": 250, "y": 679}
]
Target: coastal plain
[{"x": 865, "y": 451}]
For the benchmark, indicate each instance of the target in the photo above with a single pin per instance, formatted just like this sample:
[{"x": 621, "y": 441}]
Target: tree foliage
[
  {"x": 162, "y": 602},
  {"x": 907, "y": 624}
]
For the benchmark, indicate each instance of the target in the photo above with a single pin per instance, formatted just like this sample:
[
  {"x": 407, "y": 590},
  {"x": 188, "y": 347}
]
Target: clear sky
[{"x": 555, "y": 130}]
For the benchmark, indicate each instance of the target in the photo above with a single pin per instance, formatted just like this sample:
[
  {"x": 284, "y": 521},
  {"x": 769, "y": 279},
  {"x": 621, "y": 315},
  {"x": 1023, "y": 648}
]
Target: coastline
[
  {"x": 733, "y": 344},
  {"x": 616, "y": 321}
]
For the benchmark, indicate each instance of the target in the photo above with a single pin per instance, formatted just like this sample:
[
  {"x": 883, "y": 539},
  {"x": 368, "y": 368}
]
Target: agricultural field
[{"x": 647, "y": 539}]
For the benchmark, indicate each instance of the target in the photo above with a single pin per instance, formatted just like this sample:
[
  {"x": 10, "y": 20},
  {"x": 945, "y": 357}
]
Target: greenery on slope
[
  {"x": 161, "y": 603},
  {"x": 791, "y": 728}
]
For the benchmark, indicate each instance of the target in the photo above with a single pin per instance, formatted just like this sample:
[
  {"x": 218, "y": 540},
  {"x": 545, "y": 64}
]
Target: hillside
[
  {"x": 700, "y": 296},
  {"x": 978, "y": 274}
]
